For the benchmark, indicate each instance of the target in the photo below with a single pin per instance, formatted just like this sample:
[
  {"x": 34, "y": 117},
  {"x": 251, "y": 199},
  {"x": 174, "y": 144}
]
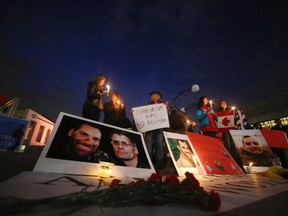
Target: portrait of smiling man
[{"x": 82, "y": 144}]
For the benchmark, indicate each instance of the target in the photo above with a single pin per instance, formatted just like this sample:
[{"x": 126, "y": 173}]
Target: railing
[{"x": 10, "y": 107}]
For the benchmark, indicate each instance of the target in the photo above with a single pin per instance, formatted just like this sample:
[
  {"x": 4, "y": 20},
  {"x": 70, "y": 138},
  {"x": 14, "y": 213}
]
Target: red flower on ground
[
  {"x": 115, "y": 183},
  {"x": 172, "y": 180},
  {"x": 157, "y": 178}
]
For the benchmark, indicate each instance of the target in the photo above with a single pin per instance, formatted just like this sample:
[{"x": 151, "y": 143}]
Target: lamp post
[{"x": 194, "y": 88}]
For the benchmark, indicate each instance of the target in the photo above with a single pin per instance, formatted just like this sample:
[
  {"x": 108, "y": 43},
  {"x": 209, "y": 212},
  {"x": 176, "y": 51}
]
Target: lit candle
[
  {"x": 210, "y": 103},
  {"x": 104, "y": 169},
  {"x": 108, "y": 89},
  {"x": 233, "y": 107},
  {"x": 250, "y": 168},
  {"x": 118, "y": 102}
]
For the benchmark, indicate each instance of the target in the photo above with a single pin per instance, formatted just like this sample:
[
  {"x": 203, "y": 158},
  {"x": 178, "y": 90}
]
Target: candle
[
  {"x": 104, "y": 169},
  {"x": 108, "y": 89},
  {"x": 250, "y": 168},
  {"x": 233, "y": 107},
  {"x": 210, "y": 103}
]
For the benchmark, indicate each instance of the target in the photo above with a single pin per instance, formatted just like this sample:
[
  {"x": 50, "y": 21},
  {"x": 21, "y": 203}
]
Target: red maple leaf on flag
[{"x": 225, "y": 121}]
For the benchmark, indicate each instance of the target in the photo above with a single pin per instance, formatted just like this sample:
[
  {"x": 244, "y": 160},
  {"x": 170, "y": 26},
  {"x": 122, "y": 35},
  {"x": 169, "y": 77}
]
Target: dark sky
[{"x": 49, "y": 50}]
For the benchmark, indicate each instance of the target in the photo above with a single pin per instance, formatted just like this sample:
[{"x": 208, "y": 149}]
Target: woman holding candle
[
  {"x": 206, "y": 117},
  {"x": 93, "y": 104},
  {"x": 115, "y": 112}
]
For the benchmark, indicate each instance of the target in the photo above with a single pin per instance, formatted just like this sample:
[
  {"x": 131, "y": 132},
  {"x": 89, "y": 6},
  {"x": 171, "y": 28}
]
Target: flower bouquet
[{"x": 156, "y": 190}]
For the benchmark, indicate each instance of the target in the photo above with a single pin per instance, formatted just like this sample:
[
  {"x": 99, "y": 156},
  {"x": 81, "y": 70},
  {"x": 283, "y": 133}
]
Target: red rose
[
  {"x": 155, "y": 178},
  {"x": 115, "y": 183}
]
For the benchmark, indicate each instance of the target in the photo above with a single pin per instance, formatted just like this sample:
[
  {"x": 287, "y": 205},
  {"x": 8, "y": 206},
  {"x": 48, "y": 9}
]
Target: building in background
[
  {"x": 266, "y": 111},
  {"x": 39, "y": 128}
]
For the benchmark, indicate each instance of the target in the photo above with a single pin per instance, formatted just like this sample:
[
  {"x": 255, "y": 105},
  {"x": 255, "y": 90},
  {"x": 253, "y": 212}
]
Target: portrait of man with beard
[
  {"x": 253, "y": 151},
  {"x": 81, "y": 144}
]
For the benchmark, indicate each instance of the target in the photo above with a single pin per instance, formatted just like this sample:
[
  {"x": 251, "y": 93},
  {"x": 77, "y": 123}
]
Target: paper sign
[
  {"x": 150, "y": 117},
  {"x": 213, "y": 155}
]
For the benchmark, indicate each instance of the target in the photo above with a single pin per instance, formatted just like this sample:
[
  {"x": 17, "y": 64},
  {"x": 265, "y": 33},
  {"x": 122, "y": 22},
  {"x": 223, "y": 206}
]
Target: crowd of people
[{"x": 115, "y": 114}]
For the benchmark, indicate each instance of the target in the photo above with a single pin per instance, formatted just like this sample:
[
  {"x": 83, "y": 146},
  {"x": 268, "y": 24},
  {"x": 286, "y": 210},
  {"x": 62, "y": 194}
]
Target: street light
[{"x": 194, "y": 88}]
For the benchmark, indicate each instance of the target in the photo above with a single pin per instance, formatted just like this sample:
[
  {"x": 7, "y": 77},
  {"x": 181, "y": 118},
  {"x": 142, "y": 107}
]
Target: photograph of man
[
  {"x": 253, "y": 151},
  {"x": 126, "y": 150},
  {"x": 81, "y": 144},
  {"x": 186, "y": 159}
]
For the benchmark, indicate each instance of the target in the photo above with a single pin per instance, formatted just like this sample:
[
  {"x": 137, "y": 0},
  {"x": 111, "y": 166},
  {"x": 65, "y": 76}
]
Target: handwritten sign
[{"x": 150, "y": 117}]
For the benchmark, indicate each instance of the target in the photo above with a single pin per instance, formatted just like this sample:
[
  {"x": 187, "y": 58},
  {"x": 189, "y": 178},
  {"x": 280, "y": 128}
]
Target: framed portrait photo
[
  {"x": 253, "y": 149},
  {"x": 78, "y": 145},
  {"x": 182, "y": 153}
]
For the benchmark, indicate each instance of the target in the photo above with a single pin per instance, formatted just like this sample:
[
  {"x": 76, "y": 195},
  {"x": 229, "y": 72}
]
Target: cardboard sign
[
  {"x": 225, "y": 120},
  {"x": 213, "y": 155},
  {"x": 150, "y": 117},
  {"x": 253, "y": 149},
  {"x": 275, "y": 138},
  {"x": 77, "y": 145},
  {"x": 183, "y": 154}
]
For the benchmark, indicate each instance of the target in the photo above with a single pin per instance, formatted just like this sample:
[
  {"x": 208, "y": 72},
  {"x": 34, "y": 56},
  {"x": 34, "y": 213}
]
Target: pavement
[{"x": 13, "y": 163}]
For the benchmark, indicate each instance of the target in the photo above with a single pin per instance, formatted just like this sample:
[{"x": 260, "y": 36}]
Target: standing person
[
  {"x": 206, "y": 117},
  {"x": 93, "y": 104},
  {"x": 115, "y": 112},
  {"x": 227, "y": 138},
  {"x": 17, "y": 136},
  {"x": 154, "y": 139}
]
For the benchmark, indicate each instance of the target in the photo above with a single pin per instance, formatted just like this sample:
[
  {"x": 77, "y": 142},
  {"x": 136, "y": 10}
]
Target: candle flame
[{"x": 251, "y": 164}]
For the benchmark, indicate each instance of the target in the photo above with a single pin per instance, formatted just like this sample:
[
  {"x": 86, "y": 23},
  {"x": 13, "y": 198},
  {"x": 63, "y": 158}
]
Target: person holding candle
[
  {"x": 227, "y": 138},
  {"x": 93, "y": 104},
  {"x": 206, "y": 117},
  {"x": 115, "y": 112}
]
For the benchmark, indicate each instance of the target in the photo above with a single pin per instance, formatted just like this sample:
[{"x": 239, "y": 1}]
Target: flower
[{"x": 156, "y": 190}]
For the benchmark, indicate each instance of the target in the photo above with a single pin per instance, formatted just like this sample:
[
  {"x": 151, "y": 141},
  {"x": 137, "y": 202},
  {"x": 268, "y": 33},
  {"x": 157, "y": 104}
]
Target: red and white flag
[{"x": 226, "y": 120}]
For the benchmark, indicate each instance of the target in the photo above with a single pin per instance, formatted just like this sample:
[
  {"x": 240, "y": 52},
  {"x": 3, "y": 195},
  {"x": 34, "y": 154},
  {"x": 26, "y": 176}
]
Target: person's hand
[{"x": 105, "y": 92}]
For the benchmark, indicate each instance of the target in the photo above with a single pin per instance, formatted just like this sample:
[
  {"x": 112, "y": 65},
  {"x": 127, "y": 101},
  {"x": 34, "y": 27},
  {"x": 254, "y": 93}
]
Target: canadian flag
[{"x": 226, "y": 119}]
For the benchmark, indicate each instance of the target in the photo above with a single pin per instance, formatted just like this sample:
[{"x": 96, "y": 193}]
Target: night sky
[{"x": 50, "y": 50}]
